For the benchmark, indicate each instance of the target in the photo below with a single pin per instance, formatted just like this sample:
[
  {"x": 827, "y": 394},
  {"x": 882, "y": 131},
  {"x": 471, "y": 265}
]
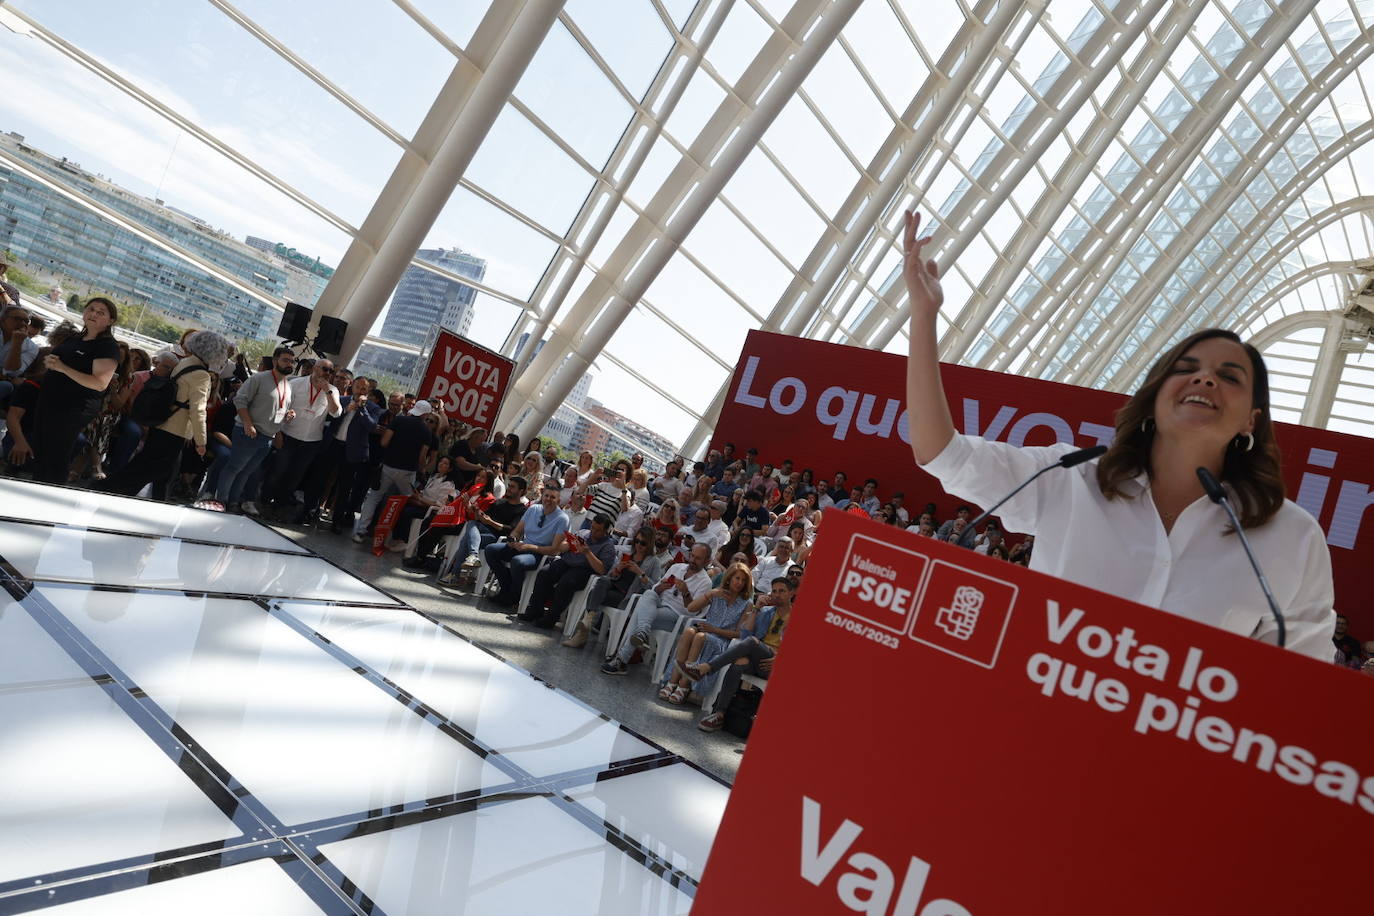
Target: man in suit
[{"x": 348, "y": 445}]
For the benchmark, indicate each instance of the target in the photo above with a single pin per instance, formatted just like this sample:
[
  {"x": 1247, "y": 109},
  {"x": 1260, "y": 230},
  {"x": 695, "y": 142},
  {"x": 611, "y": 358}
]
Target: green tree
[
  {"x": 23, "y": 279},
  {"x": 254, "y": 350}
]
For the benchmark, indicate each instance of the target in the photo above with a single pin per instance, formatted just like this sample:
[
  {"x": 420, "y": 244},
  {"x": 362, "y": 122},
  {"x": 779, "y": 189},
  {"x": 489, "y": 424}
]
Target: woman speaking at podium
[{"x": 1137, "y": 522}]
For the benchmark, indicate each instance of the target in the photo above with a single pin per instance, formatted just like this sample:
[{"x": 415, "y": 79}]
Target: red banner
[
  {"x": 386, "y": 522},
  {"x": 985, "y": 739},
  {"x": 468, "y": 382},
  {"x": 835, "y": 408}
]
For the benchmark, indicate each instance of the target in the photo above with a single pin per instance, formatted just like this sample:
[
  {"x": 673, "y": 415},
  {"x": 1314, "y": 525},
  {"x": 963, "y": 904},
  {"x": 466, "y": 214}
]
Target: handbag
[{"x": 739, "y": 715}]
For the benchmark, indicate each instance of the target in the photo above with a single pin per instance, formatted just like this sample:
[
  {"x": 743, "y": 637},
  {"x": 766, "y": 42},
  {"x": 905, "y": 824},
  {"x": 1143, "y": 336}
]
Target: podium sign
[{"x": 947, "y": 733}]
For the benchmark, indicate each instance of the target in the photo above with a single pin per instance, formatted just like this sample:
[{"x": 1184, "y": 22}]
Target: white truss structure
[{"x": 1105, "y": 176}]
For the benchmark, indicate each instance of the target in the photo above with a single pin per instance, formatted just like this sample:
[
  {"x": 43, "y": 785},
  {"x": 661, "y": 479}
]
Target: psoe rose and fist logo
[{"x": 934, "y": 602}]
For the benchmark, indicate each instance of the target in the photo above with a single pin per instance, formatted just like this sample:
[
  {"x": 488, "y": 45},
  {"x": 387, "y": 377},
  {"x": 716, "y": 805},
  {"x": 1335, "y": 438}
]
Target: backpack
[{"x": 157, "y": 401}]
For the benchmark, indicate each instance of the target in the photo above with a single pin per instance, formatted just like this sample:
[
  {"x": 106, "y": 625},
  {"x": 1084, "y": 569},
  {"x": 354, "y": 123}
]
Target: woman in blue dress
[{"x": 727, "y": 609}]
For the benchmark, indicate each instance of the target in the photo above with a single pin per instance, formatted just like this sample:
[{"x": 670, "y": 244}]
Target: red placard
[
  {"x": 467, "y": 381},
  {"x": 386, "y": 522},
  {"x": 785, "y": 401},
  {"x": 949, "y": 734}
]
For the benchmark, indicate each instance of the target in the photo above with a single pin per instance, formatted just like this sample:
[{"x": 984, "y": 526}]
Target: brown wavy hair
[{"x": 1255, "y": 475}]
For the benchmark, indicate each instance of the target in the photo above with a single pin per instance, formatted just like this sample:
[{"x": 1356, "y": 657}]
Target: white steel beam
[
  {"x": 1327, "y": 376},
  {"x": 1058, "y": 195},
  {"x": 1270, "y": 143},
  {"x": 1255, "y": 232},
  {"x": 1292, "y": 284},
  {"x": 934, "y": 104},
  {"x": 1029, "y": 142},
  {"x": 592, "y": 220},
  {"x": 773, "y": 77},
  {"x": 420, "y": 186},
  {"x": 1150, "y": 191}
]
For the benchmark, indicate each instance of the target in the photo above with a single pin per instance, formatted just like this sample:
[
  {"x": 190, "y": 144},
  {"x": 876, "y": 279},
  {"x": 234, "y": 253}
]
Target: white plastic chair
[
  {"x": 665, "y": 641},
  {"x": 527, "y": 587},
  {"x": 413, "y": 536},
  {"x": 451, "y": 559},
  {"x": 708, "y": 705},
  {"x": 615, "y": 621},
  {"x": 577, "y": 608}
]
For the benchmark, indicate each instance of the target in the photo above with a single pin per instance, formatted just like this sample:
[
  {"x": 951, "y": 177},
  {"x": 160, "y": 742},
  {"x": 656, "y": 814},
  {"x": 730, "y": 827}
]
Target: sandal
[
  {"x": 678, "y": 696},
  {"x": 687, "y": 671},
  {"x": 665, "y": 691}
]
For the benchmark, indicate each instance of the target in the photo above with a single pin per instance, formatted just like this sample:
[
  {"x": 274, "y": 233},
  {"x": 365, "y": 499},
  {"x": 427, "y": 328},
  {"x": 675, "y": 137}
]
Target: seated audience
[
  {"x": 631, "y": 573},
  {"x": 963, "y": 512},
  {"x": 405, "y": 445},
  {"x": 753, "y": 654},
  {"x": 775, "y": 565},
  {"x": 487, "y": 519},
  {"x": 753, "y": 516},
  {"x": 742, "y": 543},
  {"x": 728, "y": 609},
  {"x": 576, "y": 561},
  {"x": 682, "y": 582},
  {"x": 436, "y": 491},
  {"x": 538, "y": 534}
]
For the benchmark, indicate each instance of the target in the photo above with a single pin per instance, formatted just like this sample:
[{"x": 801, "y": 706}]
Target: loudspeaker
[
  {"x": 330, "y": 336},
  {"x": 294, "y": 322}
]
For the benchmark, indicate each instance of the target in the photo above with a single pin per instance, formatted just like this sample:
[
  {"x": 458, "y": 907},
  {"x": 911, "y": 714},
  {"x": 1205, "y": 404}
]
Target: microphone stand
[
  {"x": 1068, "y": 461},
  {"x": 1217, "y": 494}
]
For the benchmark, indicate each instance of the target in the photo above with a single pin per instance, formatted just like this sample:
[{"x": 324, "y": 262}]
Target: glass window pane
[
  {"x": 607, "y": 25},
  {"x": 772, "y": 204},
  {"x": 518, "y": 163},
  {"x": 516, "y": 254},
  {"x": 395, "y": 76},
  {"x": 738, "y": 258},
  {"x": 567, "y": 91}
]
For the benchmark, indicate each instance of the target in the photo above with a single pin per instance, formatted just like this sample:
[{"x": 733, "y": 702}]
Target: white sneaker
[
  {"x": 357, "y": 538},
  {"x": 251, "y": 509}
]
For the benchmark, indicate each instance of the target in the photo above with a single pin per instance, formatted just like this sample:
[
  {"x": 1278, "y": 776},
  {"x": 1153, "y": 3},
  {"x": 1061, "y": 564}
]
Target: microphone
[
  {"x": 1068, "y": 461},
  {"x": 1218, "y": 495}
]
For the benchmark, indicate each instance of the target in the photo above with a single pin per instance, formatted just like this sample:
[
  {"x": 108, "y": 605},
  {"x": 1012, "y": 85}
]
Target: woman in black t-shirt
[{"x": 79, "y": 371}]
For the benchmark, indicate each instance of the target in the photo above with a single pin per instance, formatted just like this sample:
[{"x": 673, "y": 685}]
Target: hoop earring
[
  {"x": 1147, "y": 424},
  {"x": 1249, "y": 442}
]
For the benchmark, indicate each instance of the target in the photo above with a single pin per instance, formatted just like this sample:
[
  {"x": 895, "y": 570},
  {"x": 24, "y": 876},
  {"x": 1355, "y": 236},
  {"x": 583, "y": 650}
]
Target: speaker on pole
[
  {"x": 294, "y": 322},
  {"x": 330, "y": 337}
]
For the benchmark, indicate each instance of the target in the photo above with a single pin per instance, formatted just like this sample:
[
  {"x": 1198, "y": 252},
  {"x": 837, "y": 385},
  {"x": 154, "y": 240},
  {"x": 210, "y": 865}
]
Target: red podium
[{"x": 946, "y": 734}]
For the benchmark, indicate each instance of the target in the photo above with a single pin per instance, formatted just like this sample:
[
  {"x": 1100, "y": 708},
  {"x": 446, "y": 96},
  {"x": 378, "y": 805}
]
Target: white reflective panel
[
  {"x": 538, "y": 729},
  {"x": 80, "y": 783},
  {"x": 306, "y": 735},
  {"x": 518, "y": 857},
  {"x": 672, "y": 811},
  {"x": 36, "y": 502},
  {"x": 28, "y": 653},
  {"x": 255, "y": 887},
  {"x": 73, "y": 555}
]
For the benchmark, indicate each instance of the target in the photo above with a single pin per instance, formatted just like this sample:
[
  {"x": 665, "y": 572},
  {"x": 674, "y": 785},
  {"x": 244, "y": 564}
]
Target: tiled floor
[
  {"x": 630, "y": 700},
  {"x": 200, "y": 717}
]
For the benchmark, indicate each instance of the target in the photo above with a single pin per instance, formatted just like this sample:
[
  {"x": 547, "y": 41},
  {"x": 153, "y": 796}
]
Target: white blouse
[{"x": 1120, "y": 546}]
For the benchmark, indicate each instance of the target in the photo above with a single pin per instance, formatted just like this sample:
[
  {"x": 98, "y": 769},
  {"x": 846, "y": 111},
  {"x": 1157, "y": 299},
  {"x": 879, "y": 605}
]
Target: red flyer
[{"x": 386, "y": 522}]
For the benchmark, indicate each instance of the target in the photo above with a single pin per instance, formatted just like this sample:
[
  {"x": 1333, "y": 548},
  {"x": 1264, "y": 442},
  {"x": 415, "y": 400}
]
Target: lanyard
[
  {"x": 280, "y": 388},
  {"x": 314, "y": 393}
]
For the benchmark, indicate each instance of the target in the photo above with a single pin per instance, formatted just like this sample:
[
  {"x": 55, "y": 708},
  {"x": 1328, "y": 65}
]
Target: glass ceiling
[{"x": 665, "y": 175}]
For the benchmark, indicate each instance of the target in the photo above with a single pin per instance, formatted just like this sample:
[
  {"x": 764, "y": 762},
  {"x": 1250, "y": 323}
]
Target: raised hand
[{"x": 922, "y": 276}]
